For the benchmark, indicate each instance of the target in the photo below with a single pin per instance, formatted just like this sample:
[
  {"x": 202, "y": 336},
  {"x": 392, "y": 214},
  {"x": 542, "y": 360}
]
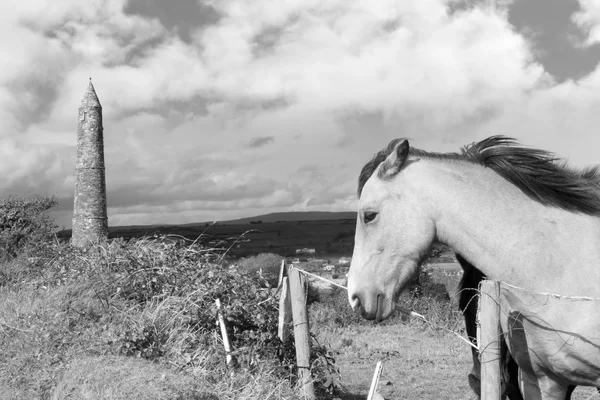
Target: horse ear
[{"x": 396, "y": 160}]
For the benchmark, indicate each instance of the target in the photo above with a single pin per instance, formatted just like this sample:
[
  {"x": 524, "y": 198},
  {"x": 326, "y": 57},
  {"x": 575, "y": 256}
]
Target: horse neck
[{"x": 507, "y": 235}]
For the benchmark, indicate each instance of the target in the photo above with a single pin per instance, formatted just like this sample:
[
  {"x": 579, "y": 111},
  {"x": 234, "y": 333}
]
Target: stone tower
[{"x": 90, "y": 222}]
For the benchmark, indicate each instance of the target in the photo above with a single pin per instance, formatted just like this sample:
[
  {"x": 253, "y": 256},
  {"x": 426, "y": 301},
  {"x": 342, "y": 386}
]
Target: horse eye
[{"x": 369, "y": 216}]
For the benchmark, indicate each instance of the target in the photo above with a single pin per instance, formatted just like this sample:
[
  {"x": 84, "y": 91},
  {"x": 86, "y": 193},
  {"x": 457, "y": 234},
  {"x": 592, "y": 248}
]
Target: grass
[
  {"x": 418, "y": 363},
  {"x": 136, "y": 321},
  {"x": 129, "y": 321},
  {"x": 420, "y": 360}
]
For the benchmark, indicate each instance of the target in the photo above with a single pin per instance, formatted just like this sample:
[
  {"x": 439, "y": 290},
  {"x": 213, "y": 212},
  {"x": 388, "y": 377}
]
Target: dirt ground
[{"x": 418, "y": 362}]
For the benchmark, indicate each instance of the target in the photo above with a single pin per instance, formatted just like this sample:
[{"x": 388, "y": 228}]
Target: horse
[{"x": 519, "y": 214}]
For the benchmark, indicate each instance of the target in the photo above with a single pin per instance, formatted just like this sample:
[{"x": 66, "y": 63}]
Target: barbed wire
[{"x": 403, "y": 310}]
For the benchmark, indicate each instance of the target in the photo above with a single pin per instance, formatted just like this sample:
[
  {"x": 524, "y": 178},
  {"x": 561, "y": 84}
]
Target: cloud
[
  {"x": 260, "y": 141},
  {"x": 182, "y": 18},
  {"x": 318, "y": 86},
  {"x": 588, "y": 19}
]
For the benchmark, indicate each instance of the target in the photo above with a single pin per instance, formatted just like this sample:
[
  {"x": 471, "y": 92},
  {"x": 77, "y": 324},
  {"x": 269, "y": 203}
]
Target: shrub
[
  {"x": 145, "y": 299},
  {"x": 23, "y": 222},
  {"x": 420, "y": 283},
  {"x": 268, "y": 263}
]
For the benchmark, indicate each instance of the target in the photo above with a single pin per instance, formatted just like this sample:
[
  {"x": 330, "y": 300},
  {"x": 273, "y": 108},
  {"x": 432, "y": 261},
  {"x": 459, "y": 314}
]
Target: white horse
[{"x": 519, "y": 216}]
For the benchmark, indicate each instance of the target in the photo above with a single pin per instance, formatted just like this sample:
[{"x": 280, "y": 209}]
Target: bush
[
  {"x": 268, "y": 263},
  {"x": 144, "y": 299},
  {"x": 23, "y": 222},
  {"x": 420, "y": 283}
]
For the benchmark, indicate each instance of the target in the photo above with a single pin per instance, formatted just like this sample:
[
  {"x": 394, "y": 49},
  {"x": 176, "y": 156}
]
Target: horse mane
[{"x": 538, "y": 173}]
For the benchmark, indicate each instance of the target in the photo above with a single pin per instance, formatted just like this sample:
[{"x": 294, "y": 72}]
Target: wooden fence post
[
  {"x": 285, "y": 311},
  {"x": 489, "y": 337},
  {"x": 301, "y": 331},
  {"x": 223, "y": 332},
  {"x": 375, "y": 382},
  {"x": 281, "y": 274}
]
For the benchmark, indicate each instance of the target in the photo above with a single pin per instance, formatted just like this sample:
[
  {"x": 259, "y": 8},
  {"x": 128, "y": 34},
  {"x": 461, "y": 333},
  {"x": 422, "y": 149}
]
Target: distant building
[
  {"x": 344, "y": 261},
  {"x": 305, "y": 251},
  {"x": 329, "y": 267}
]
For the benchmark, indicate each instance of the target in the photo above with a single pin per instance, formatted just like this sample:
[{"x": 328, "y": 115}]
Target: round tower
[{"x": 90, "y": 222}]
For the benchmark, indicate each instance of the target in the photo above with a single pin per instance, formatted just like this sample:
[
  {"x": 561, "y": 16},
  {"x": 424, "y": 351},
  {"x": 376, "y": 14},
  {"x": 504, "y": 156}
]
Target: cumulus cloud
[
  {"x": 318, "y": 86},
  {"x": 260, "y": 141},
  {"x": 588, "y": 19}
]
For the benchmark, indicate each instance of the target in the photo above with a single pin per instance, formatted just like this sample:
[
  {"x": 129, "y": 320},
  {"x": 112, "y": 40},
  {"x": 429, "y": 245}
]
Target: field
[
  {"x": 253, "y": 236},
  {"x": 420, "y": 361},
  {"x": 136, "y": 320}
]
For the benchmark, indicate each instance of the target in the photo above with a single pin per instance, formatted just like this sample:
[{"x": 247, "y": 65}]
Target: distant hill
[
  {"x": 281, "y": 233},
  {"x": 292, "y": 216},
  {"x": 286, "y": 217}
]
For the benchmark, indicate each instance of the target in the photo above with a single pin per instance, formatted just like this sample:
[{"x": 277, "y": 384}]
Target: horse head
[{"x": 394, "y": 232}]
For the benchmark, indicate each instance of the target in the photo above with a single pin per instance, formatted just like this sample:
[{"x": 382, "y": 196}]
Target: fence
[
  {"x": 292, "y": 308},
  {"x": 293, "y": 311},
  {"x": 546, "y": 312},
  {"x": 488, "y": 339}
]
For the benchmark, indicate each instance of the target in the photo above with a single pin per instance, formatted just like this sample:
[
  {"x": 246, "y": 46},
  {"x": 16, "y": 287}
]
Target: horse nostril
[{"x": 355, "y": 302}]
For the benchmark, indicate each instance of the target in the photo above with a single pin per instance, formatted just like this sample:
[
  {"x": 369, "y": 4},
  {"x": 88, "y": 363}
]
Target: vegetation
[
  {"x": 136, "y": 319},
  {"x": 247, "y": 238},
  {"x": 23, "y": 222},
  {"x": 267, "y": 265}
]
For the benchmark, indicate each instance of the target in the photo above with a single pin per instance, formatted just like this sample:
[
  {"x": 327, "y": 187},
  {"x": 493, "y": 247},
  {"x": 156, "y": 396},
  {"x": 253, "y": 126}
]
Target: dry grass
[
  {"x": 127, "y": 378},
  {"x": 420, "y": 360},
  {"x": 67, "y": 331},
  {"x": 418, "y": 363},
  {"x": 67, "y": 335}
]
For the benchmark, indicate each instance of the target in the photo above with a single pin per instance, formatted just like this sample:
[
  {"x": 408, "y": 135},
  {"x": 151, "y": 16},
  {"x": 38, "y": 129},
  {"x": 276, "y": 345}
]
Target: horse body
[
  {"x": 495, "y": 224},
  {"x": 552, "y": 338}
]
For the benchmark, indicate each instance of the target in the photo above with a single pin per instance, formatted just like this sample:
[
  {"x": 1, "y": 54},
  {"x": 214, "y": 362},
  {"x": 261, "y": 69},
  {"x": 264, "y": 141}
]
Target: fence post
[
  {"x": 285, "y": 311},
  {"x": 301, "y": 331},
  {"x": 375, "y": 382},
  {"x": 223, "y": 331},
  {"x": 281, "y": 274},
  {"x": 489, "y": 337}
]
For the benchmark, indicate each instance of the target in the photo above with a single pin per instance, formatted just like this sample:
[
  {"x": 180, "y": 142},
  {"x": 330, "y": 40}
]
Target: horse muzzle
[{"x": 372, "y": 306}]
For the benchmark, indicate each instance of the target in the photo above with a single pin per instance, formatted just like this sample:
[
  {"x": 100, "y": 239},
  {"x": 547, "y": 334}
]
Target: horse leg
[
  {"x": 570, "y": 390},
  {"x": 510, "y": 374},
  {"x": 552, "y": 390},
  {"x": 543, "y": 388},
  {"x": 475, "y": 374},
  {"x": 529, "y": 386},
  {"x": 468, "y": 305}
]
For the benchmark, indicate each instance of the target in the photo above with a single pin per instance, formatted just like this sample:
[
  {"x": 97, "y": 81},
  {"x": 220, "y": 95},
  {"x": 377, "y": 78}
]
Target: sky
[{"x": 219, "y": 109}]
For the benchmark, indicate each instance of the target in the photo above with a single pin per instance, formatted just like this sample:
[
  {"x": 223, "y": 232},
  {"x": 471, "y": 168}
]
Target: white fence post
[{"x": 488, "y": 339}]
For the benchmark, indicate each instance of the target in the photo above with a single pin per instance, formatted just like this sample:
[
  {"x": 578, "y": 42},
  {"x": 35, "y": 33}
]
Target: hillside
[
  {"x": 282, "y": 233},
  {"x": 289, "y": 216}
]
